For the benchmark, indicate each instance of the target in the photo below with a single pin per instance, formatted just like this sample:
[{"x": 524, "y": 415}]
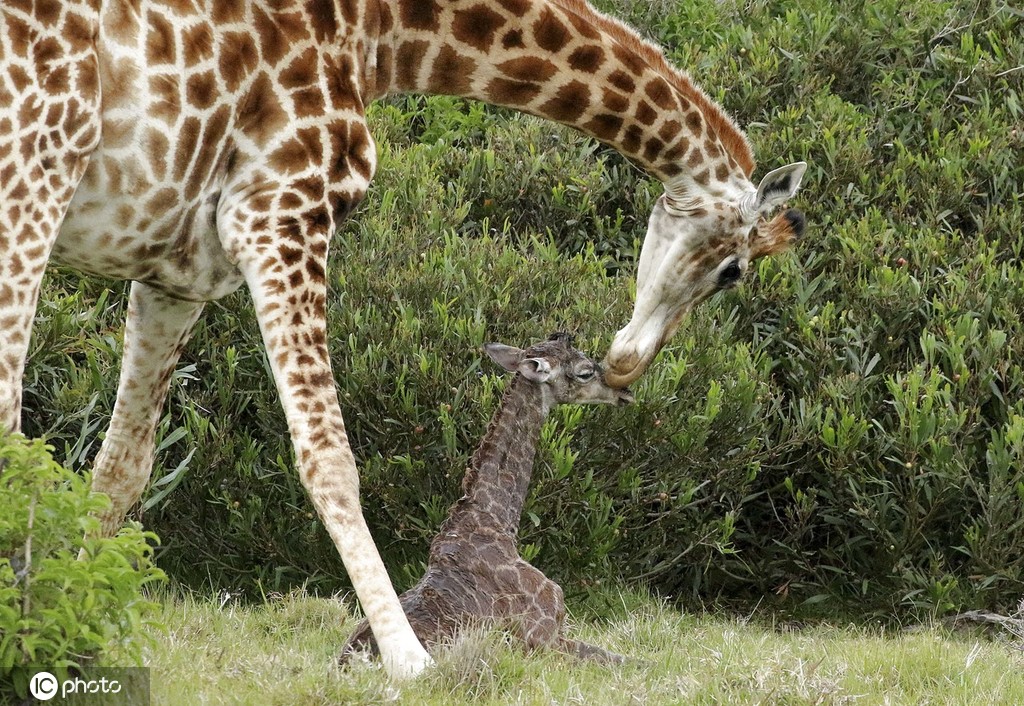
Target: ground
[{"x": 282, "y": 652}]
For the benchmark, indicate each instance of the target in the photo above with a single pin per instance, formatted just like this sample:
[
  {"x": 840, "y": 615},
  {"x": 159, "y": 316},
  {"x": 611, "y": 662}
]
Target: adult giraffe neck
[{"x": 563, "y": 60}]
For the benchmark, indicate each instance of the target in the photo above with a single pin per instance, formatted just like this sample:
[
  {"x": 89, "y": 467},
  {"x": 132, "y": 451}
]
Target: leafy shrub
[
  {"x": 844, "y": 430},
  {"x": 58, "y": 612}
]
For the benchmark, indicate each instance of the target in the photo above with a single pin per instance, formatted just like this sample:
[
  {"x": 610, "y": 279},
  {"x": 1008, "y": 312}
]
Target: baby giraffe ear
[
  {"x": 507, "y": 357},
  {"x": 778, "y": 186},
  {"x": 536, "y": 370}
]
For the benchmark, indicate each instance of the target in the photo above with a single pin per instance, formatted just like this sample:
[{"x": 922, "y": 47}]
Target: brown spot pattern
[
  {"x": 201, "y": 89},
  {"x": 549, "y": 32},
  {"x": 502, "y": 91},
  {"x": 660, "y": 93},
  {"x": 587, "y": 59},
  {"x": 695, "y": 123},
  {"x": 513, "y": 40},
  {"x": 160, "y": 42},
  {"x": 669, "y": 129},
  {"x": 260, "y": 114},
  {"x": 452, "y": 72},
  {"x": 322, "y": 19},
  {"x": 197, "y": 44},
  {"x": 614, "y": 101},
  {"x": 528, "y": 68},
  {"x": 630, "y": 61},
  {"x": 604, "y": 126},
  {"x": 645, "y": 113},
  {"x": 622, "y": 81},
  {"x": 238, "y": 58},
  {"x": 418, "y": 14},
  {"x": 518, "y": 8},
  {"x": 408, "y": 59},
  {"x": 652, "y": 149},
  {"x": 633, "y": 136},
  {"x": 569, "y": 103},
  {"x": 477, "y": 26}
]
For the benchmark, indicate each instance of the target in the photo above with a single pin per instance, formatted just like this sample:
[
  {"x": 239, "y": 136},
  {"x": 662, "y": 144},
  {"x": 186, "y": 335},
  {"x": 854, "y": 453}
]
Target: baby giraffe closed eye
[{"x": 474, "y": 573}]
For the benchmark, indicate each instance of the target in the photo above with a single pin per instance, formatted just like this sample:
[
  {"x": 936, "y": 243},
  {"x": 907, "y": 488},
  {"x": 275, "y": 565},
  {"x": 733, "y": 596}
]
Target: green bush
[
  {"x": 845, "y": 430},
  {"x": 57, "y": 612}
]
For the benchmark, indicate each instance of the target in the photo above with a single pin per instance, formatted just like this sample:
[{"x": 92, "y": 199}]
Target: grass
[{"x": 282, "y": 652}]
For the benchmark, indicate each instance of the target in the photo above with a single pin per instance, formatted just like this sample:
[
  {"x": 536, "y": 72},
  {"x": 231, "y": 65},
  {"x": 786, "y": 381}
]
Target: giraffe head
[
  {"x": 565, "y": 375},
  {"x": 697, "y": 243}
]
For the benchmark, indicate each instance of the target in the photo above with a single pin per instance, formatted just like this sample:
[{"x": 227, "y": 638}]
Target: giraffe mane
[
  {"x": 733, "y": 139},
  {"x": 487, "y": 444}
]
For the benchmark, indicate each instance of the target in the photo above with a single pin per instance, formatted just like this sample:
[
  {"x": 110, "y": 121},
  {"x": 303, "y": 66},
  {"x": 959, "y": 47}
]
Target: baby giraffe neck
[{"x": 498, "y": 476}]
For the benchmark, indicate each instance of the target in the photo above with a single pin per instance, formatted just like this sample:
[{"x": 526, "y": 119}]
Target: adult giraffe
[{"x": 193, "y": 145}]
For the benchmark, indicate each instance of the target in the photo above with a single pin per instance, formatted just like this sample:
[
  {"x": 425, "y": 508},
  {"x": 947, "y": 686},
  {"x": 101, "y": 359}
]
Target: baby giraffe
[{"x": 475, "y": 574}]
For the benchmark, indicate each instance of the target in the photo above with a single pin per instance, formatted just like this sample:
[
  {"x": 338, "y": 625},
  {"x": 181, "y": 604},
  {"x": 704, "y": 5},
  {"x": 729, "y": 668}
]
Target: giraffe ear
[
  {"x": 778, "y": 186},
  {"x": 507, "y": 357},
  {"x": 536, "y": 370}
]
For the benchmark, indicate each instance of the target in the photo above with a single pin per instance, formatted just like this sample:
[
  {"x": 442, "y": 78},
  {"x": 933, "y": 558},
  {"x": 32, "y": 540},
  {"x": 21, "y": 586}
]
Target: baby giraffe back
[{"x": 475, "y": 574}]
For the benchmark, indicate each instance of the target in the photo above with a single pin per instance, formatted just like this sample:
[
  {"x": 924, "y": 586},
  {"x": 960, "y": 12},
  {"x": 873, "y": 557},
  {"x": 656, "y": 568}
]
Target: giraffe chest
[{"x": 150, "y": 235}]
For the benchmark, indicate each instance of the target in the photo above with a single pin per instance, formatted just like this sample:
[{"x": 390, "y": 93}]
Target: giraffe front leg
[
  {"x": 542, "y": 620},
  {"x": 18, "y": 297},
  {"x": 48, "y": 130},
  {"x": 156, "y": 331},
  {"x": 285, "y": 271},
  {"x": 534, "y": 604}
]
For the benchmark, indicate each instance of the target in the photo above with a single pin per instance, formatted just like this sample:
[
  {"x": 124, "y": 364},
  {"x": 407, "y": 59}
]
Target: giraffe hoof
[{"x": 407, "y": 664}]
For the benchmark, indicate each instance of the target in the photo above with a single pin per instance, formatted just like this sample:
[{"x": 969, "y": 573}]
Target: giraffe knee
[
  {"x": 552, "y": 599},
  {"x": 539, "y": 630},
  {"x": 123, "y": 493},
  {"x": 334, "y": 495},
  {"x": 123, "y": 467}
]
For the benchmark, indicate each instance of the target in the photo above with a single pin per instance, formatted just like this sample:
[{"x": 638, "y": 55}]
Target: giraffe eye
[
  {"x": 729, "y": 274},
  {"x": 586, "y": 374}
]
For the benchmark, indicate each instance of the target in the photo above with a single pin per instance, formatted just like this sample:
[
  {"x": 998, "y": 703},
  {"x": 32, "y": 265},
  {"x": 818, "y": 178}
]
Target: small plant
[{"x": 58, "y": 612}]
